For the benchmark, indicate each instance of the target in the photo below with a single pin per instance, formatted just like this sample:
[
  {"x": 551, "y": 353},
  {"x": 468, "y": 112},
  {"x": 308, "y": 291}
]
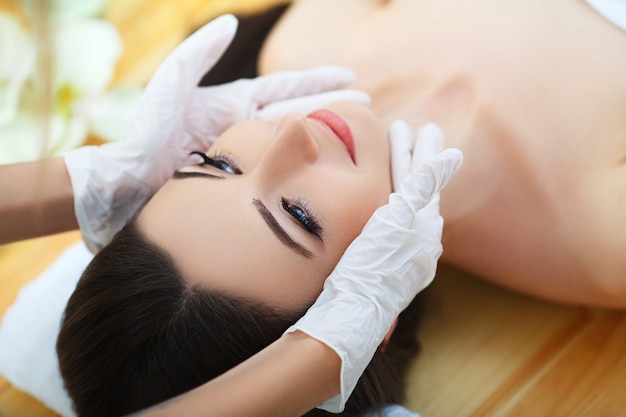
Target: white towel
[
  {"x": 613, "y": 10},
  {"x": 30, "y": 327}
]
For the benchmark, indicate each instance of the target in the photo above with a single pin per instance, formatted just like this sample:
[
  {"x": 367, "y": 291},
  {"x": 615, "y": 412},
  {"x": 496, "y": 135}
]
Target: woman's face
[{"x": 270, "y": 214}]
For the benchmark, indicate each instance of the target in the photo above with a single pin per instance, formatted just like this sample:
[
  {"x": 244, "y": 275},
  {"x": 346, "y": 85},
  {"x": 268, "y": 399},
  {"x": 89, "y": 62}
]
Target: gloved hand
[
  {"x": 393, "y": 259},
  {"x": 111, "y": 182},
  {"x": 407, "y": 152}
]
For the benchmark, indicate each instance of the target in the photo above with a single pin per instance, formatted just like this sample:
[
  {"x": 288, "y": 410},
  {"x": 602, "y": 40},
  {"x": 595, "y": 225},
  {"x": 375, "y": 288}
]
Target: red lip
[{"x": 338, "y": 127}]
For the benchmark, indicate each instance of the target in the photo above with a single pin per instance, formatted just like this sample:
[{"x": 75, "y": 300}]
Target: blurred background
[{"x": 486, "y": 351}]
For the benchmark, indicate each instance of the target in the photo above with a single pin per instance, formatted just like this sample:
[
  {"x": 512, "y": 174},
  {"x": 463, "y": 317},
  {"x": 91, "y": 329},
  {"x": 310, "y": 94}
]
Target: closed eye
[
  {"x": 302, "y": 213},
  {"x": 298, "y": 209},
  {"x": 221, "y": 161}
]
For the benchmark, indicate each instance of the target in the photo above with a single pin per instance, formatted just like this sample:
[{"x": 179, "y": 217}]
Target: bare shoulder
[{"x": 603, "y": 232}]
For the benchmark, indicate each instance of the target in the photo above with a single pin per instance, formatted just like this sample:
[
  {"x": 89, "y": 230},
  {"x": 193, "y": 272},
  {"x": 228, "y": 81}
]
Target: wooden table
[
  {"x": 486, "y": 351},
  {"x": 491, "y": 352}
]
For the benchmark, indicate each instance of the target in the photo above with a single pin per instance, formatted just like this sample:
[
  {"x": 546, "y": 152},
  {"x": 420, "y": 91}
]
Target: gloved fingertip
[
  {"x": 400, "y": 129},
  {"x": 401, "y": 144},
  {"x": 183, "y": 67},
  {"x": 456, "y": 159},
  {"x": 443, "y": 166},
  {"x": 430, "y": 141},
  {"x": 309, "y": 103},
  {"x": 431, "y": 128},
  {"x": 359, "y": 96},
  {"x": 212, "y": 38},
  {"x": 227, "y": 22},
  {"x": 351, "y": 95},
  {"x": 430, "y": 177},
  {"x": 433, "y": 133},
  {"x": 344, "y": 76}
]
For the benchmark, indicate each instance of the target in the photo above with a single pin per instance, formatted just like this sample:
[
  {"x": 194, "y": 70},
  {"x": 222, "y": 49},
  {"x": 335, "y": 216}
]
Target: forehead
[{"x": 221, "y": 242}]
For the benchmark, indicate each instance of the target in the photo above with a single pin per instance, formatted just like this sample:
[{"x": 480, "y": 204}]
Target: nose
[{"x": 292, "y": 147}]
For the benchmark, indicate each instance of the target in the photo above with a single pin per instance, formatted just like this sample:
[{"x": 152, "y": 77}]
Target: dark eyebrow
[
  {"x": 278, "y": 230},
  {"x": 267, "y": 215},
  {"x": 180, "y": 175}
]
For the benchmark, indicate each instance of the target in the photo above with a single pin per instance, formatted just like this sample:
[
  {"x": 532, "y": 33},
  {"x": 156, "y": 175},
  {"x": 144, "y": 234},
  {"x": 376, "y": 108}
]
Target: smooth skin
[
  {"x": 37, "y": 200},
  {"x": 534, "y": 95},
  {"x": 208, "y": 217},
  {"x": 288, "y": 378}
]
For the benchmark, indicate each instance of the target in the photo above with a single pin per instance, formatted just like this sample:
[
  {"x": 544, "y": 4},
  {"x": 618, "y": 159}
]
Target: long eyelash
[
  {"x": 310, "y": 223},
  {"x": 223, "y": 156},
  {"x": 218, "y": 158},
  {"x": 206, "y": 160}
]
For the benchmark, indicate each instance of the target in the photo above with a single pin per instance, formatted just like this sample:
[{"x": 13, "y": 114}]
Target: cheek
[
  {"x": 352, "y": 212},
  {"x": 360, "y": 213},
  {"x": 290, "y": 287},
  {"x": 369, "y": 195}
]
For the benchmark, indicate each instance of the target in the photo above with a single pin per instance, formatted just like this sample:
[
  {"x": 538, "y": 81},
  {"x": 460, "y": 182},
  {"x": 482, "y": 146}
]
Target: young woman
[
  {"x": 227, "y": 256},
  {"x": 401, "y": 245},
  {"x": 532, "y": 93}
]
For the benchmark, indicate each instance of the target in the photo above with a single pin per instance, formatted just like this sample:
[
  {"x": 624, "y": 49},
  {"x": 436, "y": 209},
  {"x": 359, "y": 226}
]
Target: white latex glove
[
  {"x": 407, "y": 152},
  {"x": 393, "y": 259},
  {"x": 111, "y": 182}
]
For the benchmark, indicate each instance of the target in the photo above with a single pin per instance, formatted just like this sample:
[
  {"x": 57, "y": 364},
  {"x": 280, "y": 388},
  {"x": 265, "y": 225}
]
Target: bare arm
[
  {"x": 37, "y": 200},
  {"x": 288, "y": 378}
]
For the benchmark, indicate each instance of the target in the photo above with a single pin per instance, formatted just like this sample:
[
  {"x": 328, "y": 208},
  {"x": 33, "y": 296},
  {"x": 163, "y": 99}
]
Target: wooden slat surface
[
  {"x": 486, "y": 351},
  {"x": 491, "y": 352}
]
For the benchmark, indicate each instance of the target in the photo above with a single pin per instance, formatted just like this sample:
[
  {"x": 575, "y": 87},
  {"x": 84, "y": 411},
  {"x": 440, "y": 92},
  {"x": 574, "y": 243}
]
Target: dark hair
[{"x": 135, "y": 333}]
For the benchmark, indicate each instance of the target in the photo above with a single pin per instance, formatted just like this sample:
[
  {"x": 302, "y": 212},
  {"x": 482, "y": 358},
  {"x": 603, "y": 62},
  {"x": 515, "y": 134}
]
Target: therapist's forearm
[
  {"x": 288, "y": 378},
  {"x": 36, "y": 200}
]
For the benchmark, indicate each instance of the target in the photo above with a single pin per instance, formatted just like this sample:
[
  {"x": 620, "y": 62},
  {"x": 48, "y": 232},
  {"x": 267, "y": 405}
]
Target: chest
[{"x": 532, "y": 92}]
